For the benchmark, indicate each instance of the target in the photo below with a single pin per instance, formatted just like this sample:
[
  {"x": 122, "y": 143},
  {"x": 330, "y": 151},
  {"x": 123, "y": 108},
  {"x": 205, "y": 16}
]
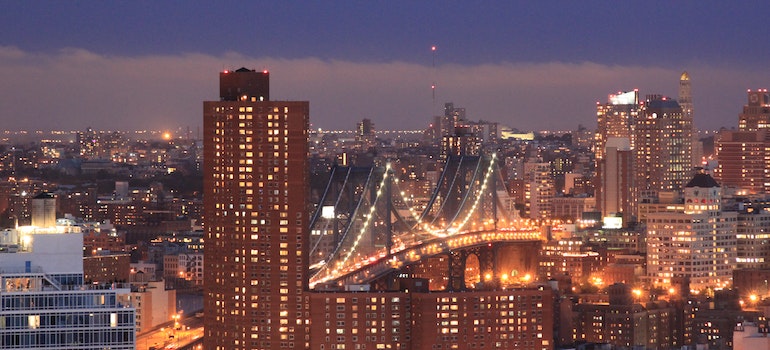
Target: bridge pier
[
  {"x": 456, "y": 271},
  {"x": 487, "y": 256}
]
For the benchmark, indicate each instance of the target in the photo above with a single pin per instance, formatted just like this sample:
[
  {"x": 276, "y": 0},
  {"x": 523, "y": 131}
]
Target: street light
[{"x": 176, "y": 317}]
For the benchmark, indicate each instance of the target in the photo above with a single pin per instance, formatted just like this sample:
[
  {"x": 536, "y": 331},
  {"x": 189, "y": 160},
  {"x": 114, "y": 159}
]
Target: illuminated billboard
[
  {"x": 327, "y": 212},
  {"x": 612, "y": 222},
  {"x": 624, "y": 98}
]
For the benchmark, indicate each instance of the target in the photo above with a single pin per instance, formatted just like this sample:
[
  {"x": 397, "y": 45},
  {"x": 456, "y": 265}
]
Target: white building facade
[
  {"x": 43, "y": 301},
  {"x": 697, "y": 245}
]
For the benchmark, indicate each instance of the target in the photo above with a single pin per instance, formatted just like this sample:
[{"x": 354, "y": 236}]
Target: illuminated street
[{"x": 190, "y": 330}]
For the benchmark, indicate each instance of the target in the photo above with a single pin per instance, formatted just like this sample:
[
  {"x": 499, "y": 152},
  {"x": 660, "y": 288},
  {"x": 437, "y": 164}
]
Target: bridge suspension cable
[
  {"x": 368, "y": 217},
  {"x": 445, "y": 232},
  {"x": 320, "y": 208}
]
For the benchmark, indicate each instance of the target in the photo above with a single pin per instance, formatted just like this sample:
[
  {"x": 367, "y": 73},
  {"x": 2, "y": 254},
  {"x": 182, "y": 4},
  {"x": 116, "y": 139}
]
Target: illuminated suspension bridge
[{"x": 365, "y": 226}]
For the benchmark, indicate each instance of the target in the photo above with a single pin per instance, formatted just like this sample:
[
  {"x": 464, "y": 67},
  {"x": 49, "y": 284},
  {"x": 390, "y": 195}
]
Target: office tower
[
  {"x": 541, "y": 191},
  {"x": 458, "y": 136},
  {"x": 365, "y": 128},
  {"x": 256, "y": 187},
  {"x": 45, "y": 304},
  {"x": 365, "y": 136},
  {"x": 685, "y": 95},
  {"x": 685, "y": 101},
  {"x": 452, "y": 116},
  {"x": 616, "y": 195},
  {"x": 753, "y": 236},
  {"x": 663, "y": 143},
  {"x": 756, "y": 114},
  {"x": 616, "y": 119},
  {"x": 463, "y": 142},
  {"x": 743, "y": 160},
  {"x": 698, "y": 244}
]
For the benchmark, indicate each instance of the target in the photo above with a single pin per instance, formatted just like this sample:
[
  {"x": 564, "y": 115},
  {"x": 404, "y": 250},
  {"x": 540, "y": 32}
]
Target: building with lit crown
[
  {"x": 256, "y": 221},
  {"x": 616, "y": 118},
  {"x": 756, "y": 113},
  {"x": 743, "y": 156}
]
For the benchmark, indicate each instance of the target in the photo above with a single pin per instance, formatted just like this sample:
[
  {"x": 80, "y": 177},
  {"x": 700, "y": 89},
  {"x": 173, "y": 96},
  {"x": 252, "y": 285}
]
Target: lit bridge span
[
  {"x": 378, "y": 266},
  {"x": 371, "y": 222}
]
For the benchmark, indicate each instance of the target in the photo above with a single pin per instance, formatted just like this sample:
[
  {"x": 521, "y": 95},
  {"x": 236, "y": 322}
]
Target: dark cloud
[{"x": 74, "y": 88}]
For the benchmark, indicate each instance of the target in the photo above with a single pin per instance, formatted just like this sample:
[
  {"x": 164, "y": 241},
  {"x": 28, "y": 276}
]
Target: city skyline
[{"x": 529, "y": 66}]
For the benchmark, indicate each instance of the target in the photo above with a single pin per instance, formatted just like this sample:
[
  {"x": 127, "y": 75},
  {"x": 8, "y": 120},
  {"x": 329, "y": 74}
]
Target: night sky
[{"x": 532, "y": 65}]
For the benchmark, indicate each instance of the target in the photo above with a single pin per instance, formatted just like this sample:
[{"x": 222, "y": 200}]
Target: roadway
[{"x": 190, "y": 329}]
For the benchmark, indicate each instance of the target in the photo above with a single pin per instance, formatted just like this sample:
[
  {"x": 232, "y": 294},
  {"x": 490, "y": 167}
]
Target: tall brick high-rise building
[
  {"x": 756, "y": 114},
  {"x": 255, "y": 186},
  {"x": 744, "y": 160}
]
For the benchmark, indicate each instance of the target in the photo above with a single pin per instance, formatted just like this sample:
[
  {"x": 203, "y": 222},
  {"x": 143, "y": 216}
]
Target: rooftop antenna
[{"x": 433, "y": 87}]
